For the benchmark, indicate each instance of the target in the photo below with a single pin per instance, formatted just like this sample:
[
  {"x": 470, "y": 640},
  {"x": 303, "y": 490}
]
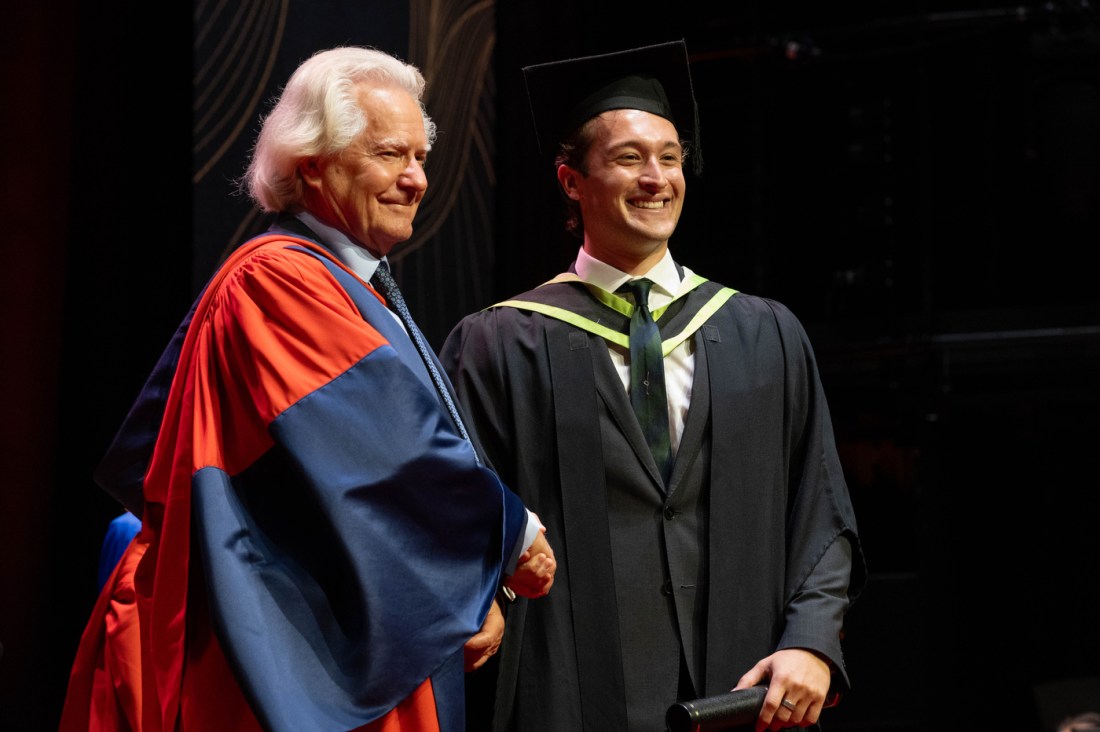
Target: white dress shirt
[{"x": 680, "y": 363}]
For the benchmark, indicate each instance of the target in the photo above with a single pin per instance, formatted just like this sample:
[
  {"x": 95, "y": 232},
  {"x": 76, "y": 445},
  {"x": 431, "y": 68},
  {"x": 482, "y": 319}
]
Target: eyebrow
[
  {"x": 398, "y": 143},
  {"x": 676, "y": 144}
]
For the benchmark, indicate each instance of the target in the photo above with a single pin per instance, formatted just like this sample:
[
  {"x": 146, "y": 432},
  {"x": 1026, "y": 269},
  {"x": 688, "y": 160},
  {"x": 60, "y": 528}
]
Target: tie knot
[
  {"x": 640, "y": 289},
  {"x": 382, "y": 278}
]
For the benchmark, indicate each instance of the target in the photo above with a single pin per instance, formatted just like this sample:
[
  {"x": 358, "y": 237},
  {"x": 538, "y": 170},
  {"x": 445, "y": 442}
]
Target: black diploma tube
[{"x": 719, "y": 712}]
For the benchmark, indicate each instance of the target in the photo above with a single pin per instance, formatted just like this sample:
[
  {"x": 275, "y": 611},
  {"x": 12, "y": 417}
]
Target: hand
[
  {"x": 482, "y": 646},
  {"x": 535, "y": 570},
  {"x": 794, "y": 674}
]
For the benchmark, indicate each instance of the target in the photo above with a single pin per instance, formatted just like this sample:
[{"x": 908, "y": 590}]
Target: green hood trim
[{"x": 625, "y": 308}]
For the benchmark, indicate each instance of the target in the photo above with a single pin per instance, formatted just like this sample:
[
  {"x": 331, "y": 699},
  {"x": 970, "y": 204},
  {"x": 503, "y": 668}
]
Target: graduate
[{"x": 671, "y": 431}]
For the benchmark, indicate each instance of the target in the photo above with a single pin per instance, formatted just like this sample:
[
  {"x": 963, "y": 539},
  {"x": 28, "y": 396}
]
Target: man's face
[
  {"x": 633, "y": 194},
  {"x": 371, "y": 191}
]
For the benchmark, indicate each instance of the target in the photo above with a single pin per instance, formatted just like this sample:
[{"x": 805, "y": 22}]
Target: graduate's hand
[
  {"x": 795, "y": 675},
  {"x": 482, "y": 646},
  {"x": 535, "y": 570}
]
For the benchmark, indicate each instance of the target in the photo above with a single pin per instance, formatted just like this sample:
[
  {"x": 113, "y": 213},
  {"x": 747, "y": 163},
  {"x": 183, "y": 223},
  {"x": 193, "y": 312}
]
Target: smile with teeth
[{"x": 648, "y": 204}]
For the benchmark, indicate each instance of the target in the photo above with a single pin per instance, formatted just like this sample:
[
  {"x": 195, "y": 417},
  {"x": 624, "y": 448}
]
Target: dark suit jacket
[{"x": 716, "y": 565}]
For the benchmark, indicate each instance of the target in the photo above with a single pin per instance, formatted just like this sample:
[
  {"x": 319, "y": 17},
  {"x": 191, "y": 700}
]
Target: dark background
[{"x": 919, "y": 182}]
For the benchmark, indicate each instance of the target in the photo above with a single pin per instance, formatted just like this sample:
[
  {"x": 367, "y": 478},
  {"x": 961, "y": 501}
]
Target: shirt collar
[
  {"x": 357, "y": 258},
  {"x": 664, "y": 275}
]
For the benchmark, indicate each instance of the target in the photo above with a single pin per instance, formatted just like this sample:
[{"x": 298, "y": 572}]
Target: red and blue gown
[{"x": 318, "y": 541}]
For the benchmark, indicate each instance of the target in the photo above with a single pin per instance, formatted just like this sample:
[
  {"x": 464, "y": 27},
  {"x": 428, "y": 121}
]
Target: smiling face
[
  {"x": 372, "y": 189},
  {"x": 633, "y": 193}
]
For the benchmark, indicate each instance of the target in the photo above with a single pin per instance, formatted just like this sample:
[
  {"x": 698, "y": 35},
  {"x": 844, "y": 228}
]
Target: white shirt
[
  {"x": 358, "y": 259},
  {"x": 680, "y": 363}
]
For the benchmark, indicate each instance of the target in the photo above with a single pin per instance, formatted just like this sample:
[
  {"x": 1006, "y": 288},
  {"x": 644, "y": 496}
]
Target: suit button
[
  {"x": 670, "y": 514},
  {"x": 666, "y": 588}
]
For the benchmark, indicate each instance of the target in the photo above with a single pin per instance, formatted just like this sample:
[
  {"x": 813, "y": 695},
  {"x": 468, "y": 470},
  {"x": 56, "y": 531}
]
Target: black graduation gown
[{"x": 756, "y": 497}]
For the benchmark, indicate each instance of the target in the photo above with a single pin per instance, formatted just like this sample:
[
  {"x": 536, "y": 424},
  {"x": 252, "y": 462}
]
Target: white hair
[{"x": 319, "y": 114}]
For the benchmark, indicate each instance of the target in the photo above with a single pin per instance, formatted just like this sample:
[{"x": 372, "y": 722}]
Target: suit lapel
[
  {"x": 610, "y": 389},
  {"x": 691, "y": 441}
]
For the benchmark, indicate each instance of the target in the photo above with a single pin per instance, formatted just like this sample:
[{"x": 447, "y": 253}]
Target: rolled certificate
[{"x": 720, "y": 712}]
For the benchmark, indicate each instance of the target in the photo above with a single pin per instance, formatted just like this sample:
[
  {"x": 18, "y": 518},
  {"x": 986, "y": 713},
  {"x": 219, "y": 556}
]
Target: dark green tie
[{"x": 647, "y": 376}]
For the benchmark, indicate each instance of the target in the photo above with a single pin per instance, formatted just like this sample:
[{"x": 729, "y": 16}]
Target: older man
[{"x": 321, "y": 542}]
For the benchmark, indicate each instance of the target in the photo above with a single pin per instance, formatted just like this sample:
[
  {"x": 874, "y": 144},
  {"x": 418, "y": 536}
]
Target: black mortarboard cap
[{"x": 655, "y": 79}]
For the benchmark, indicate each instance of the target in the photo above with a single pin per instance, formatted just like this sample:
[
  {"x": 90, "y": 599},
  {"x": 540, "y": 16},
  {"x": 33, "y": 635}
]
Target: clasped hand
[
  {"x": 534, "y": 575},
  {"x": 533, "y": 578}
]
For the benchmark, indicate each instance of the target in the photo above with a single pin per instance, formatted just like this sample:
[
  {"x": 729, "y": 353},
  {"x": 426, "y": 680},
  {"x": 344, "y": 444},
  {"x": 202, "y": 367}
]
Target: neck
[{"x": 632, "y": 261}]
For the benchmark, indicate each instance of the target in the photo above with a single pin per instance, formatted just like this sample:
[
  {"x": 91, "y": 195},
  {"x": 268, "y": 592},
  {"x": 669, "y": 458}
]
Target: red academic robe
[{"x": 318, "y": 540}]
